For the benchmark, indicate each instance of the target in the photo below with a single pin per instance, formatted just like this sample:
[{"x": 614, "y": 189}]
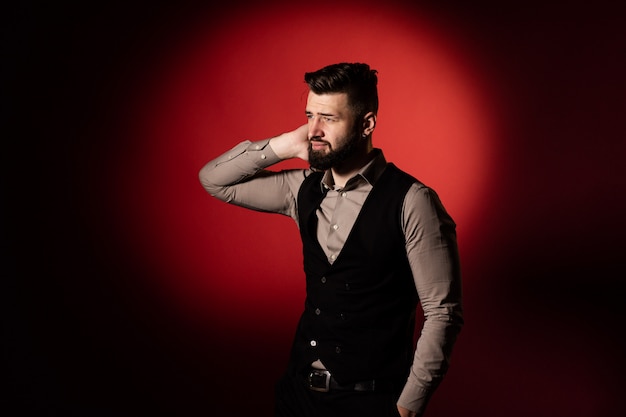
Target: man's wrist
[{"x": 281, "y": 147}]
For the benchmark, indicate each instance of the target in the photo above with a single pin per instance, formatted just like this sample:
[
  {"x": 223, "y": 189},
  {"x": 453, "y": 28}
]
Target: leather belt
[{"x": 322, "y": 381}]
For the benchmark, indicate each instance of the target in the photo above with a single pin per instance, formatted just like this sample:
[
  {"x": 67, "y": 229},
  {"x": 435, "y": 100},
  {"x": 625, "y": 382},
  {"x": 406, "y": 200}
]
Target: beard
[{"x": 324, "y": 161}]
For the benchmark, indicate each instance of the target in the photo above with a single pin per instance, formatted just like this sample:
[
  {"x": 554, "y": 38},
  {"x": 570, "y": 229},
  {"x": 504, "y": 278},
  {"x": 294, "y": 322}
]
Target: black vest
[{"x": 359, "y": 312}]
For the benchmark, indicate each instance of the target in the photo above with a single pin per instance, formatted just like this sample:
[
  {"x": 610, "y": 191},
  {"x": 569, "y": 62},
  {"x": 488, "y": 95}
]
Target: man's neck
[{"x": 349, "y": 168}]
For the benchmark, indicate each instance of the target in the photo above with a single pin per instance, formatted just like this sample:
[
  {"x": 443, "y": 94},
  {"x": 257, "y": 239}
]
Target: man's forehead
[{"x": 330, "y": 101}]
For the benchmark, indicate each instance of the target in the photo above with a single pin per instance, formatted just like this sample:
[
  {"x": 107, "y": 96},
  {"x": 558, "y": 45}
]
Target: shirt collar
[{"x": 370, "y": 172}]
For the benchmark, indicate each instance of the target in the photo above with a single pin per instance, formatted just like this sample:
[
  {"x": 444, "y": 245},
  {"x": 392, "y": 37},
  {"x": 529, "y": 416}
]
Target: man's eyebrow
[{"x": 322, "y": 114}]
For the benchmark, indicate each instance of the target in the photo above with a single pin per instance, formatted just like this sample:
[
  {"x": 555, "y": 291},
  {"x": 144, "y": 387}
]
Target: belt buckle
[{"x": 319, "y": 380}]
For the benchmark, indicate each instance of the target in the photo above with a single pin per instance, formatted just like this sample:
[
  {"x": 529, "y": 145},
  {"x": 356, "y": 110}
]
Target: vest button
[
  {"x": 347, "y": 286},
  {"x": 337, "y": 349},
  {"x": 318, "y": 311},
  {"x": 313, "y": 343},
  {"x": 342, "y": 316},
  {"x": 323, "y": 280}
]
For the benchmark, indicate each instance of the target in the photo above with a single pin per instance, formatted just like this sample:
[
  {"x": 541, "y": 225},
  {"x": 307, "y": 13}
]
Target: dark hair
[{"x": 355, "y": 79}]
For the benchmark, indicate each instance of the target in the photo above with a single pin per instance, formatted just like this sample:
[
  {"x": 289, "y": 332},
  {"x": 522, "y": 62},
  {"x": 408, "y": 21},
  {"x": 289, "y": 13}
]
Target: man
[{"x": 376, "y": 241}]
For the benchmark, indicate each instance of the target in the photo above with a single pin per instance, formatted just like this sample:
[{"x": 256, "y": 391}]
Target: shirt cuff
[
  {"x": 262, "y": 153},
  {"x": 414, "y": 398}
]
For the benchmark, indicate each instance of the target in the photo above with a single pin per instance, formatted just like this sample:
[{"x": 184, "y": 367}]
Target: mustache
[{"x": 317, "y": 139}]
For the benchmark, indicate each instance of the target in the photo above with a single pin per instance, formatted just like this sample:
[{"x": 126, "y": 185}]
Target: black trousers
[{"x": 295, "y": 399}]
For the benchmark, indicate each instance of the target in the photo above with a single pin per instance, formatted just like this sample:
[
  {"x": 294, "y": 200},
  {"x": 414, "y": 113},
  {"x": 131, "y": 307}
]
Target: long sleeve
[
  {"x": 433, "y": 255},
  {"x": 239, "y": 177}
]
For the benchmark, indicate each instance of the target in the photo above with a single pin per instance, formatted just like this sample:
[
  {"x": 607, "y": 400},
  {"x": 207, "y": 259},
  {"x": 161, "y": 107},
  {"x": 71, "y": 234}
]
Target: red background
[{"x": 131, "y": 291}]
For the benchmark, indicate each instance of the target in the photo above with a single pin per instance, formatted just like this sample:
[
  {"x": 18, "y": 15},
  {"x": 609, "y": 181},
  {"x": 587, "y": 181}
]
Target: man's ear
[{"x": 369, "y": 123}]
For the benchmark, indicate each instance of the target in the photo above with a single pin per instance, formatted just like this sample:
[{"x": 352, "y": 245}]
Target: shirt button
[
  {"x": 263, "y": 156},
  {"x": 344, "y": 194},
  {"x": 257, "y": 147},
  {"x": 335, "y": 226},
  {"x": 318, "y": 311},
  {"x": 333, "y": 257},
  {"x": 323, "y": 280},
  {"x": 313, "y": 343}
]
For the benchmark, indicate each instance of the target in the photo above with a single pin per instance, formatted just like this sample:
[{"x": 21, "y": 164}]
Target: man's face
[{"x": 333, "y": 133}]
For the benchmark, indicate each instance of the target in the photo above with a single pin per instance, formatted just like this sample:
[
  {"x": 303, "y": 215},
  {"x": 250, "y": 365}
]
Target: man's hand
[
  {"x": 294, "y": 144},
  {"x": 406, "y": 413}
]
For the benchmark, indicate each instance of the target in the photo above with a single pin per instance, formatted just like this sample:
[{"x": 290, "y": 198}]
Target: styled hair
[{"x": 355, "y": 79}]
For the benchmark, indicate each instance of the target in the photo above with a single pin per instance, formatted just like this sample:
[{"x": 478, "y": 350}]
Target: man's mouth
[{"x": 317, "y": 144}]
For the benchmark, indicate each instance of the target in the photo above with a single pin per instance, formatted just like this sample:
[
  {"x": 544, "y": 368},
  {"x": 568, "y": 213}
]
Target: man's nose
[{"x": 315, "y": 128}]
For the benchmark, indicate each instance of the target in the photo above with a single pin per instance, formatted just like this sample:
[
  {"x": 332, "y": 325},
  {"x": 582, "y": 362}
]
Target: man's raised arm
[{"x": 239, "y": 176}]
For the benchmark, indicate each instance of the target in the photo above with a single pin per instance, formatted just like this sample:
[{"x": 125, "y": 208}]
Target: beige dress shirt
[{"x": 240, "y": 177}]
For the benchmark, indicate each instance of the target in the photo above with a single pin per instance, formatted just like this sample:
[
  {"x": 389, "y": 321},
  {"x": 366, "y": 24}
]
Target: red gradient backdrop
[
  {"x": 131, "y": 291},
  {"x": 242, "y": 78}
]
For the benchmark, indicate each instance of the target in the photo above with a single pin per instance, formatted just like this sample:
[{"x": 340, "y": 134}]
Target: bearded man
[{"x": 376, "y": 242}]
